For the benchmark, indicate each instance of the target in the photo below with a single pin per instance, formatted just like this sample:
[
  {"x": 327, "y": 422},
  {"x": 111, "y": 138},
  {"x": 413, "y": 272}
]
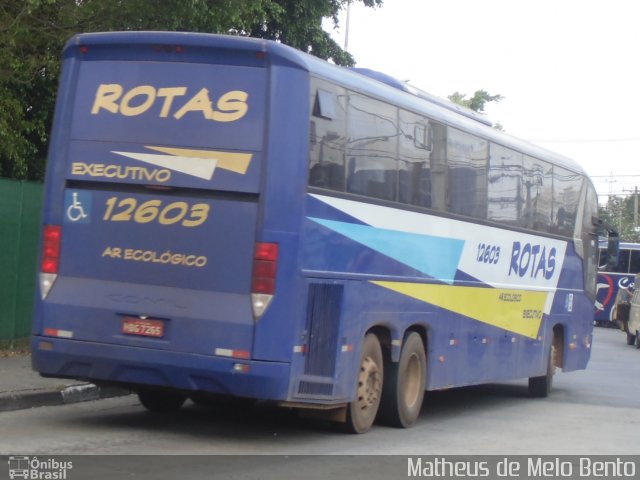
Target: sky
[{"x": 569, "y": 70}]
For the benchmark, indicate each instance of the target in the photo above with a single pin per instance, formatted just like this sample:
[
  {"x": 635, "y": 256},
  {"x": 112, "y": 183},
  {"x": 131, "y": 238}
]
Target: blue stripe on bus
[{"x": 437, "y": 257}]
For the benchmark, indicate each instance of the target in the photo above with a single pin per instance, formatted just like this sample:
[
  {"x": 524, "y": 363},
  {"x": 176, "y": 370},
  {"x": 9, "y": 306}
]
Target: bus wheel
[
  {"x": 404, "y": 385},
  {"x": 362, "y": 411},
  {"x": 631, "y": 338},
  {"x": 540, "y": 387},
  {"x": 161, "y": 401}
]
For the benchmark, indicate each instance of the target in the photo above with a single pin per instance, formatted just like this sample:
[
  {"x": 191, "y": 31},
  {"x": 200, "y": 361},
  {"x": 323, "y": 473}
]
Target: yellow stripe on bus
[{"x": 517, "y": 311}]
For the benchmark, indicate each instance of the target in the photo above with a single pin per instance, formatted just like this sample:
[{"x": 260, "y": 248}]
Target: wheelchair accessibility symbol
[{"x": 77, "y": 206}]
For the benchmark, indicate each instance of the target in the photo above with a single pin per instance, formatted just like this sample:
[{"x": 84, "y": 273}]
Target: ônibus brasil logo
[{"x": 36, "y": 469}]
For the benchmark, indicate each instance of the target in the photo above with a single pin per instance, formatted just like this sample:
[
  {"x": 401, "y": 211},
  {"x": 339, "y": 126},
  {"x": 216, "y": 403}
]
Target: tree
[
  {"x": 619, "y": 212},
  {"x": 33, "y": 33},
  {"x": 475, "y": 103}
]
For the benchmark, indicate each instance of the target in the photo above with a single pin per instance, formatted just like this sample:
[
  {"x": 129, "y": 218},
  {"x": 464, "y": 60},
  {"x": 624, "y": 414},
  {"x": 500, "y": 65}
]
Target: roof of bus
[{"x": 349, "y": 78}]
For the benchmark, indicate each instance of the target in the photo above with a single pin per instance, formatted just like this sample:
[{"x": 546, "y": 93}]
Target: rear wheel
[
  {"x": 362, "y": 411},
  {"x": 161, "y": 401},
  {"x": 404, "y": 384},
  {"x": 541, "y": 386}
]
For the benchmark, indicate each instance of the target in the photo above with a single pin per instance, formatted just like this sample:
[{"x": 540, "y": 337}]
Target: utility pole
[
  {"x": 346, "y": 30},
  {"x": 635, "y": 208}
]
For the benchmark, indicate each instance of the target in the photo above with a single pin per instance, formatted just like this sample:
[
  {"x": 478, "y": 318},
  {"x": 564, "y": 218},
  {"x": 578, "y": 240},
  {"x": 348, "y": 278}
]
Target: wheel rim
[
  {"x": 412, "y": 385},
  {"x": 369, "y": 384}
]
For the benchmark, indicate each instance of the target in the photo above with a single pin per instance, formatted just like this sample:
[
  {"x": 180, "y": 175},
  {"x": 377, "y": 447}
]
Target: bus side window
[
  {"x": 439, "y": 171},
  {"x": 634, "y": 263},
  {"x": 623, "y": 261},
  {"x": 467, "y": 158},
  {"x": 415, "y": 142},
  {"x": 537, "y": 188},
  {"x": 327, "y": 140},
  {"x": 566, "y": 193},
  {"x": 505, "y": 195},
  {"x": 372, "y": 133}
]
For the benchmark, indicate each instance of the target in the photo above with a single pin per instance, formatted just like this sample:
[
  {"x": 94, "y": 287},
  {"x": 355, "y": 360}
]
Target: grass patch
[{"x": 14, "y": 348}]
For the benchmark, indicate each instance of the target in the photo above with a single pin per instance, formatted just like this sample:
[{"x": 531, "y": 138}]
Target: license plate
[{"x": 145, "y": 327}]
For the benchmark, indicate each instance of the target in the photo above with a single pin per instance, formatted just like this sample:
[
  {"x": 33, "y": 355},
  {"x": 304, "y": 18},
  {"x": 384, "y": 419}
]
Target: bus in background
[
  {"x": 230, "y": 216},
  {"x": 612, "y": 280}
]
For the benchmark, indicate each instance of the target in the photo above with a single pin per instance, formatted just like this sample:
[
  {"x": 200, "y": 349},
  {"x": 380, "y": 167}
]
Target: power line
[
  {"x": 584, "y": 140},
  {"x": 615, "y": 194},
  {"x": 615, "y": 176}
]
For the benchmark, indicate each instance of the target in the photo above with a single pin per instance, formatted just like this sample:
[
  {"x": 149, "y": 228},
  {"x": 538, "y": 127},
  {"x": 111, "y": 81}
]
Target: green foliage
[
  {"x": 33, "y": 33},
  {"x": 475, "y": 103},
  {"x": 619, "y": 212}
]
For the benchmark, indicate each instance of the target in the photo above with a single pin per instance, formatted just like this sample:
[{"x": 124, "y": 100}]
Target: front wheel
[
  {"x": 404, "y": 384},
  {"x": 631, "y": 338},
  {"x": 540, "y": 387},
  {"x": 362, "y": 411}
]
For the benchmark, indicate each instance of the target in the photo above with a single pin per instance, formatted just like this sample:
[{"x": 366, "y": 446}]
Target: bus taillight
[
  {"x": 50, "y": 249},
  {"x": 263, "y": 281},
  {"x": 50, "y": 263}
]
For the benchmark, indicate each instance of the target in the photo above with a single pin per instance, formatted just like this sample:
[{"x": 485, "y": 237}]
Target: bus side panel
[
  {"x": 461, "y": 351},
  {"x": 504, "y": 326},
  {"x": 284, "y": 184},
  {"x": 572, "y": 311}
]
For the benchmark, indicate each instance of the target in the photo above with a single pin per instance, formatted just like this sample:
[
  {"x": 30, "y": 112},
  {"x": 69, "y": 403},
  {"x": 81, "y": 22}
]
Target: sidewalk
[{"x": 21, "y": 387}]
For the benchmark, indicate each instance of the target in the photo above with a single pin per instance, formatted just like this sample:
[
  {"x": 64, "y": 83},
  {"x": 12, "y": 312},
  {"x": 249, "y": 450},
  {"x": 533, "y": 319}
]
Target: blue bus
[
  {"x": 230, "y": 216},
  {"x": 612, "y": 279}
]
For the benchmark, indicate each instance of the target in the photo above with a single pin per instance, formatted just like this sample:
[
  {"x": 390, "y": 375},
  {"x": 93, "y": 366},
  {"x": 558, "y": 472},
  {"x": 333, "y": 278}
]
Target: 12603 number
[
  {"x": 488, "y": 253},
  {"x": 183, "y": 213}
]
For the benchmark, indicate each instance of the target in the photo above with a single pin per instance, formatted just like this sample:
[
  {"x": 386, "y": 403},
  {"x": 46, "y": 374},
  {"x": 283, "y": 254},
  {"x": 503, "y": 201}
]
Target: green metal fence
[{"x": 20, "y": 205}]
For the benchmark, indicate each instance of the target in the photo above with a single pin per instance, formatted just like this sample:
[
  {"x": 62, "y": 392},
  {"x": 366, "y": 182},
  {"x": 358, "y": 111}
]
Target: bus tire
[
  {"x": 540, "y": 387},
  {"x": 160, "y": 401},
  {"x": 362, "y": 411},
  {"x": 403, "y": 390},
  {"x": 631, "y": 338}
]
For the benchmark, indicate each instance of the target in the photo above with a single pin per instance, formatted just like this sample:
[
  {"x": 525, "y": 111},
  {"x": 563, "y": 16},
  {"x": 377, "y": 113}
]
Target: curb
[{"x": 23, "y": 399}]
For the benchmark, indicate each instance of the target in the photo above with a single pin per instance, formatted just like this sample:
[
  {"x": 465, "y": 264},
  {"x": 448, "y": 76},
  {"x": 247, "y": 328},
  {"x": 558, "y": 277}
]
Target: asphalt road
[{"x": 590, "y": 412}]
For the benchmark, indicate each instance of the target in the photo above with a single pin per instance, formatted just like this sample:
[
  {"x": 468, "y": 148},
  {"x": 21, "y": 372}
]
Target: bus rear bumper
[{"x": 135, "y": 367}]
